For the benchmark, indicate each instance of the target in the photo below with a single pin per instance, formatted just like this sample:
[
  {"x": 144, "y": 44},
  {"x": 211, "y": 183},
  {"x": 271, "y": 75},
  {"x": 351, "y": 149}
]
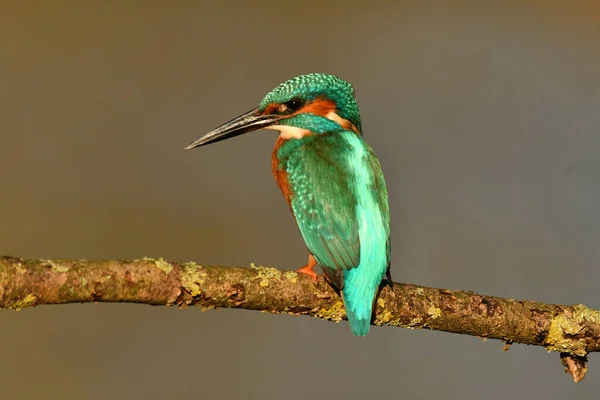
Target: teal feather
[{"x": 339, "y": 200}]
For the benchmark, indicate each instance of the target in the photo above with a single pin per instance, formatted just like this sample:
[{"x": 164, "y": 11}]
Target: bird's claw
[{"x": 308, "y": 270}]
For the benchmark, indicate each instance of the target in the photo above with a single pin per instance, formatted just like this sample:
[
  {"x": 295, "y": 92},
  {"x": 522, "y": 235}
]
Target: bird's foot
[{"x": 308, "y": 268}]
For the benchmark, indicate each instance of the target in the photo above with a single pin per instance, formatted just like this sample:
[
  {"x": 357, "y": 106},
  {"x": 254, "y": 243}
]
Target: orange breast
[{"x": 280, "y": 175}]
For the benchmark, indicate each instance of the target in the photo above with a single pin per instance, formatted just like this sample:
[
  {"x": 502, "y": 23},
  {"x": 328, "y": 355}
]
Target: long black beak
[{"x": 248, "y": 122}]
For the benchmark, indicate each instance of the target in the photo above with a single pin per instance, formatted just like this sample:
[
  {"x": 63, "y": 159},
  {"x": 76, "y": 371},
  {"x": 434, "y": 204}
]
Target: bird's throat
[{"x": 291, "y": 132}]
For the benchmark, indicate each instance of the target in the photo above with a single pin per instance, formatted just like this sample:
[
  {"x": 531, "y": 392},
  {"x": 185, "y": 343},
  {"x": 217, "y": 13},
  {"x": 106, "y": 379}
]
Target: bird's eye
[{"x": 294, "y": 104}]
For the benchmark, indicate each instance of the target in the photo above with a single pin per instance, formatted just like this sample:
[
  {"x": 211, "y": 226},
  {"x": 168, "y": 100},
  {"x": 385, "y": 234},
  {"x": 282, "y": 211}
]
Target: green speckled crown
[{"x": 309, "y": 87}]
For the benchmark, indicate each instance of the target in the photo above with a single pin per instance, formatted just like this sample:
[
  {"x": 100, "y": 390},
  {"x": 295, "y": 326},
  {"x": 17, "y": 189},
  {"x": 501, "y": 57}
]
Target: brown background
[{"x": 485, "y": 118}]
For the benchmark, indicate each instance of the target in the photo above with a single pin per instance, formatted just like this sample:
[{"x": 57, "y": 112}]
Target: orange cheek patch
[
  {"x": 319, "y": 106},
  {"x": 271, "y": 108}
]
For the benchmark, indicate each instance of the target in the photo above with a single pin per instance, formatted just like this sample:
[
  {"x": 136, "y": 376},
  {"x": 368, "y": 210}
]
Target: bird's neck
[{"x": 306, "y": 124}]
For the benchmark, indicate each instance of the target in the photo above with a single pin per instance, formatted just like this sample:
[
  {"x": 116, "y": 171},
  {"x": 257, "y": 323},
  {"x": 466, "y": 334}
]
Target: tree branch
[{"x": 573, "y": 331}]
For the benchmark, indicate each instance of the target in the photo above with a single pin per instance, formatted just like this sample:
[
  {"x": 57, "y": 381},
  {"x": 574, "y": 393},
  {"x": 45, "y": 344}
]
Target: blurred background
[{"x": 484, "y": 116}]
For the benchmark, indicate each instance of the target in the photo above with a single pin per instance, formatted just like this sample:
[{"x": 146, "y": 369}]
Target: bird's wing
[{"x": 333, "y": 170}]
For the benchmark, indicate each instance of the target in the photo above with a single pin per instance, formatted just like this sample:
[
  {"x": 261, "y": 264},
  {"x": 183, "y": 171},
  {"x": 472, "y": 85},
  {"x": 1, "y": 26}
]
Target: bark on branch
[{"x": 572, "y": 331}]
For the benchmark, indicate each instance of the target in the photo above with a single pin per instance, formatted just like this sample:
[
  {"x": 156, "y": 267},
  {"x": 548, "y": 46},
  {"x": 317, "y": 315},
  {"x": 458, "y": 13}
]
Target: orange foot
[{"x": 308, "y": 268}]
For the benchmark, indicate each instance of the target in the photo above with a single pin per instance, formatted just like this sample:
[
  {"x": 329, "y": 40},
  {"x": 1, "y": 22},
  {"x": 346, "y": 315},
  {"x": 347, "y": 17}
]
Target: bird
[{"x": 332, "y": 182}]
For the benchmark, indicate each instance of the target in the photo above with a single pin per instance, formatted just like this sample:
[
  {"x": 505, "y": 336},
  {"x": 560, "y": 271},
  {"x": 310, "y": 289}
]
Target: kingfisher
[{"x": 332, "y": 182}]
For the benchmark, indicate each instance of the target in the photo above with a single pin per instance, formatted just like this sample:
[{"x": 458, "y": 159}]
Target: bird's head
[{"x": 304, "y": 105}]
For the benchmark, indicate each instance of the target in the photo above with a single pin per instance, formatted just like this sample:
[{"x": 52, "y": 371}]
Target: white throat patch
[{"x": 290, "y": 132}]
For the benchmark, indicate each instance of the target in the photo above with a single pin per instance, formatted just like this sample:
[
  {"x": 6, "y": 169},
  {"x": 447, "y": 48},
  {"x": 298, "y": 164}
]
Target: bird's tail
[
  {"x": 359, "y": 320},
  {"x": 359, "y": 294}
]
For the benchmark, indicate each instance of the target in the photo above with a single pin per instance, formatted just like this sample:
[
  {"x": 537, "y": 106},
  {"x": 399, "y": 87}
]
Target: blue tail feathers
[
  {"x": 358, "y": 326},
  {"x": 358, "y": 294}
]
